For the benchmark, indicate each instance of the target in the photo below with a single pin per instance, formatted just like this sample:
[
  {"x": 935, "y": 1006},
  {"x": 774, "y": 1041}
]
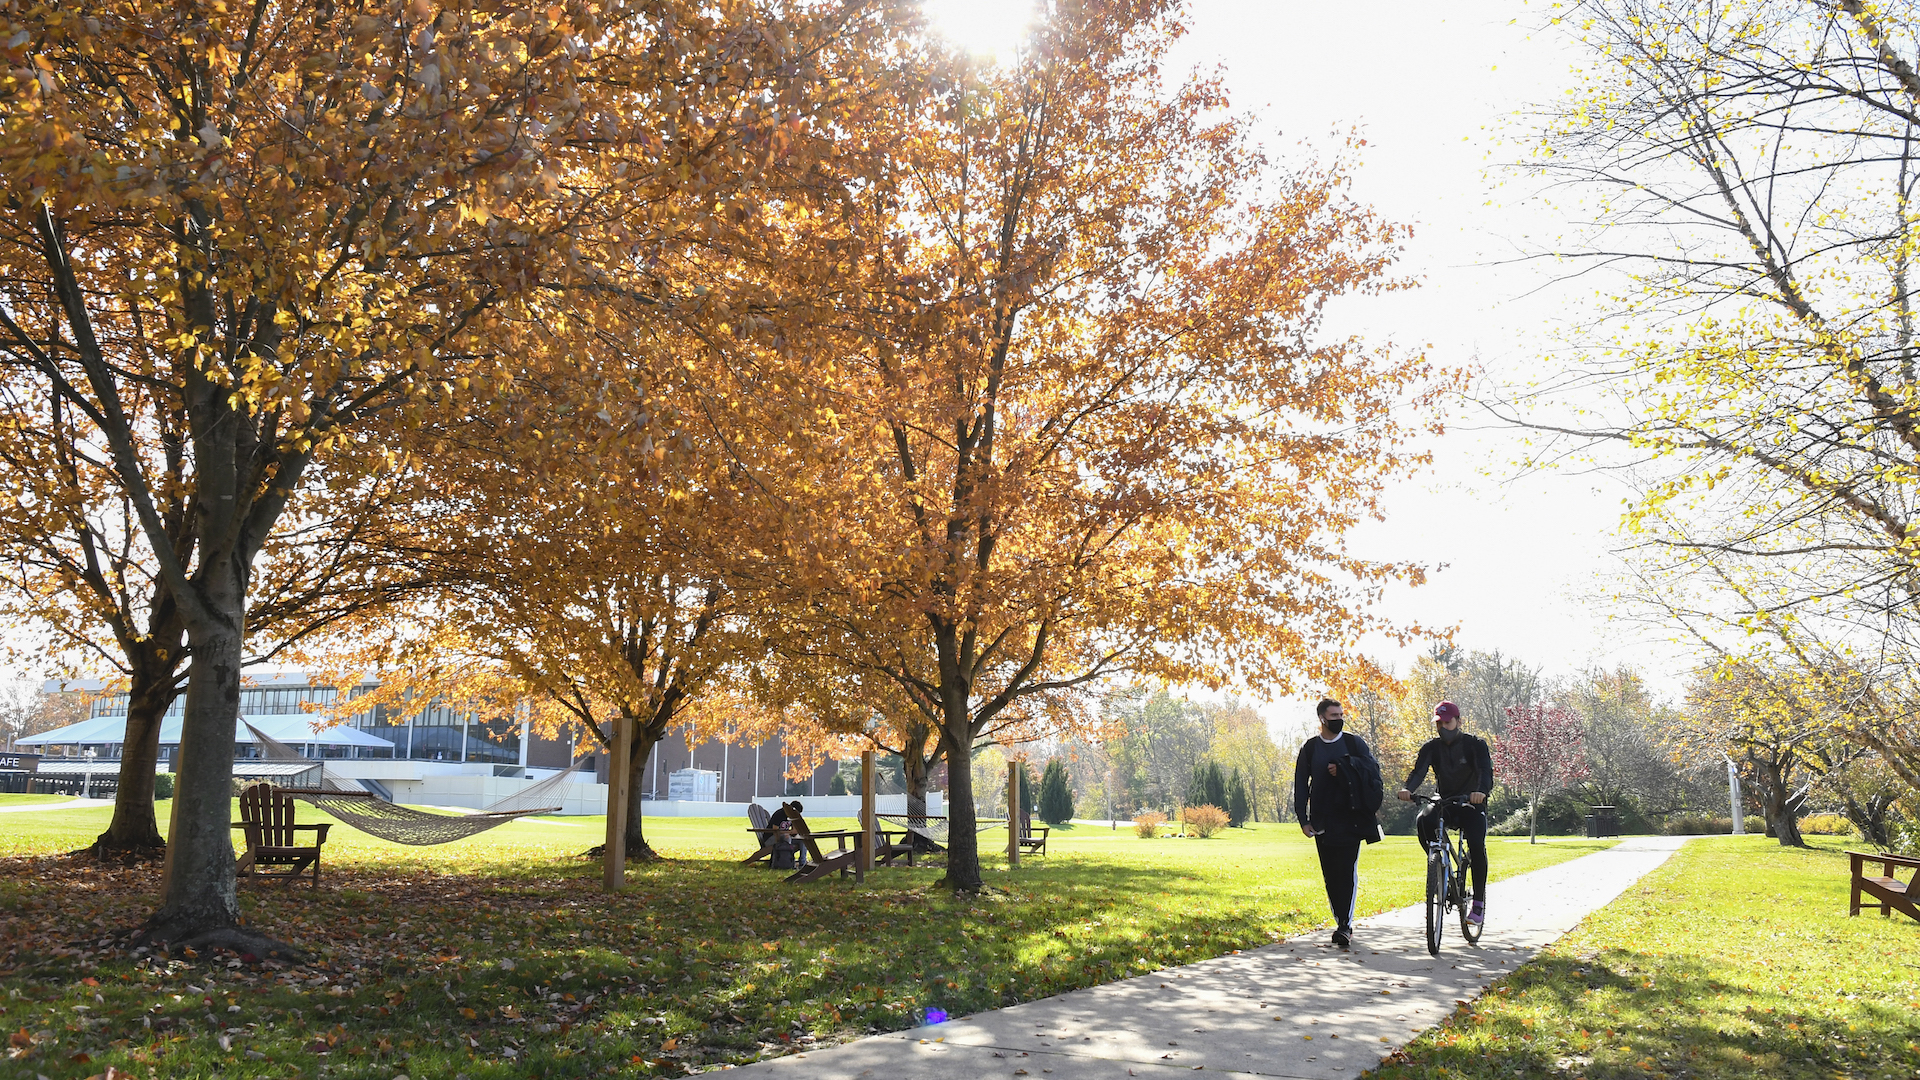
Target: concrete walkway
[
  {"x": 73, "y": 804},
  {"x": 1299, "y": 1009}
]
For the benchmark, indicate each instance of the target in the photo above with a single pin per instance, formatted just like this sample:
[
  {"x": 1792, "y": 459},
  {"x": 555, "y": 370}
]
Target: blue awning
[{"x": 292, "y": 728}]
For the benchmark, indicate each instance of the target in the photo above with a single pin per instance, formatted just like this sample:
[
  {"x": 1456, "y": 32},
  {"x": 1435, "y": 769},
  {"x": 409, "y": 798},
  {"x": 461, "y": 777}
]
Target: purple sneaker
[{"x": 1477, "y": 914}]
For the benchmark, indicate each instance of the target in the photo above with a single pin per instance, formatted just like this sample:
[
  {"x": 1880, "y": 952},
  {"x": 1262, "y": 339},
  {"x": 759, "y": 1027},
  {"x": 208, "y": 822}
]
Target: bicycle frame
[{"x": 1447, "y": 862}]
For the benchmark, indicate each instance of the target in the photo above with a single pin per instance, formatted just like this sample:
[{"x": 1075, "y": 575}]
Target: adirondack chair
[
  {"x": 266, "y": 815},
  {"x": 762, "y": 835},
  {"x": 1029, "y": 841},
  {"x": 1886, "y": 892}
]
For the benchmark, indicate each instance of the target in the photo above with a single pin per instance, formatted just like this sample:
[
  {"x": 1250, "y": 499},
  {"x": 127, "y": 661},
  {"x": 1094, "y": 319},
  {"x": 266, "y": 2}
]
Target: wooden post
[
  {"x": 614, "y": 862},
  {"x": 865, "y": 862},
  {"x": 1013, "y": 814}
]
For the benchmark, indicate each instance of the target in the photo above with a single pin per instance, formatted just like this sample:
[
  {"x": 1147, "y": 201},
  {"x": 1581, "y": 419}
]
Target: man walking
[{"x": 1324, "y": 800}]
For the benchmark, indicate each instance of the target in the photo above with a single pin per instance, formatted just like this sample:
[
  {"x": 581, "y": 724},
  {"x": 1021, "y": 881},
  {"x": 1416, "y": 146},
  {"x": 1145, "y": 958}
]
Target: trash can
[{"x": 1602, "y": 821}]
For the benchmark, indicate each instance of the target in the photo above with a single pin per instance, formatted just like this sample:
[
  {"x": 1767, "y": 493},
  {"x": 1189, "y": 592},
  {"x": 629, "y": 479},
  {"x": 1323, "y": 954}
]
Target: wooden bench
[
  {"x": 266, "y": 816},
  {"x": 1887, "y": 892}
]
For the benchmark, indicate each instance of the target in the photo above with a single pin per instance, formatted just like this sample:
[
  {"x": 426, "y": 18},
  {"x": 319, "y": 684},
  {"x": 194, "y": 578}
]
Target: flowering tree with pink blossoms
[{"x": 1543, "y": 749}]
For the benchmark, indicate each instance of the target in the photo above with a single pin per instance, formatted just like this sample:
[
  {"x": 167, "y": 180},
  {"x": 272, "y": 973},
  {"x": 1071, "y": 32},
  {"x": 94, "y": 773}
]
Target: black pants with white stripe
[{"x": 1340, "y": 866}]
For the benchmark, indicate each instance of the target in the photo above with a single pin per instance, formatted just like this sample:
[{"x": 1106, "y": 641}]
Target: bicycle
[{"x": 1447, "y": 877}]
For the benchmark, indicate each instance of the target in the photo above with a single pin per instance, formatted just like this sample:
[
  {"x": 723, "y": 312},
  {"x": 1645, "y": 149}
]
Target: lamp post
[{"x": 1733, "y": 796}]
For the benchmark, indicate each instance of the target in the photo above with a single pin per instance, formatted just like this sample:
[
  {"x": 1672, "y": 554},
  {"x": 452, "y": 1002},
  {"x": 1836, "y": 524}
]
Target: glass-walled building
[
  {"x": 432, "y": 732},
  {"x": 438, "y": 733}
]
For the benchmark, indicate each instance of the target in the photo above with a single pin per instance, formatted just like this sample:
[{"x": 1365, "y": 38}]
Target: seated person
[
  {"x": 786, "y": 813},
  {"x": 788, "y": 852}
]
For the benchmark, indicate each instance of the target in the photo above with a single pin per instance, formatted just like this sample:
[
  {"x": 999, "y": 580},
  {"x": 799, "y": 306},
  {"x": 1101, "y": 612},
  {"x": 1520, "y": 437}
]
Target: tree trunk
[
  {"x": 1777, "y": 803},
  {"x": 1533, "y": 818},
  {"x": 638, "y": 851},
  {"x": 963, "y": 841},
  {"x": 199, "y": 905},
  {"x": 134, "y": 829},
  {"x": 915, "y": 769},
  {"x": 198, "y": 888},
  {"x": 918, "y": 772},
  {"x": 1869, "y": 815}
]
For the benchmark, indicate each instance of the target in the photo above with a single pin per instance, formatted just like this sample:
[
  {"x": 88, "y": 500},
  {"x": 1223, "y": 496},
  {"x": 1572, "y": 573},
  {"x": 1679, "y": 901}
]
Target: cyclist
[{"x": 1461, "y": 765}]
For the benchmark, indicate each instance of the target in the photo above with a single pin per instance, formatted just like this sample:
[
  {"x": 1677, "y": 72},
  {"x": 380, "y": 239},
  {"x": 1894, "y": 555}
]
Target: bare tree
[{"x": 1751, "y": 166}]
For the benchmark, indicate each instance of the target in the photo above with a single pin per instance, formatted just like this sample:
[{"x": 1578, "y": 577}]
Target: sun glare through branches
[{"x": 991, "y": 29}]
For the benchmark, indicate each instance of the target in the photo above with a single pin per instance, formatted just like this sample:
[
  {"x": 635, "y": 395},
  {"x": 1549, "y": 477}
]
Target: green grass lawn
[
  {"x": 30, "y": 800},
  {"x": 498, "y": 956},
  {"x": 1736, "y": 959}
]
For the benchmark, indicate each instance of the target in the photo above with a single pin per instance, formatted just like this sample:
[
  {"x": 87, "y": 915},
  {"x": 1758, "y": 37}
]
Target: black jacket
[
  {"x": 1466, "y": 766},
  {"x": 1321, "y": 800}
]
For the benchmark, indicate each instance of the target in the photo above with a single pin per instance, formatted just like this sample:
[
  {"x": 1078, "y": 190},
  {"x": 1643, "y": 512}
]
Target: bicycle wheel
[
  {"x": 1464, "y": 901},
  {"x": 1436, "y": 899}
]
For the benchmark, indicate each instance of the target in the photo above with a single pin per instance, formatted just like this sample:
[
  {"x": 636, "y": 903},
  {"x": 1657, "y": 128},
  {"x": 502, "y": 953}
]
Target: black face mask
[
  {"x": 1332, "y": 724},
  {"x": 1451, "y": 735}
]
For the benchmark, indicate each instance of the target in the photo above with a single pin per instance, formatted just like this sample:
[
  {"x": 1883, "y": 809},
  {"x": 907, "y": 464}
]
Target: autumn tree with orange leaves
[
  {"x": 1086, "y": 422},
  {"x": 580, "y": 573},
  {"x": 293, "y": 218}
]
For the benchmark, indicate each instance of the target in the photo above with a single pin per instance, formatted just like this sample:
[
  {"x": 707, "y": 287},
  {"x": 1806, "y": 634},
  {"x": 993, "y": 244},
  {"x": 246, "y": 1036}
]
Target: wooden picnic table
[{"x": 845, "y": 858}]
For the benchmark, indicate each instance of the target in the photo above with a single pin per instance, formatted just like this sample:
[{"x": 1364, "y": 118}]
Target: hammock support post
[
  {"x": 867, "y": 822},
  {"x": 1013, "y": 814},
  {"x": 619, "y": 790}
]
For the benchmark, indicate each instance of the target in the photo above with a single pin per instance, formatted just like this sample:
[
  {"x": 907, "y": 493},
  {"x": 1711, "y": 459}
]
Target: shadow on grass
[{"x": 698, "y": 962}]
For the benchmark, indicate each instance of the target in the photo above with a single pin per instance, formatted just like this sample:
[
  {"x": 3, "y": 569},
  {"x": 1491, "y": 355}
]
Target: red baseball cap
[{"x": 1446, "y": 710}]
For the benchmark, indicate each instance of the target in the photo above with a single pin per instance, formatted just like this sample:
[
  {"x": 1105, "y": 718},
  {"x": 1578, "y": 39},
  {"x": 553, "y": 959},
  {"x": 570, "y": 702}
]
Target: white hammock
[
  {"x": 371, "y": 814},
  {"x": 934, "y": 828}
]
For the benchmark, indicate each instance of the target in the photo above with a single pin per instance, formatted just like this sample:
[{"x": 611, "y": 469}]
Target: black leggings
[{"x": 1471, "y": 822}]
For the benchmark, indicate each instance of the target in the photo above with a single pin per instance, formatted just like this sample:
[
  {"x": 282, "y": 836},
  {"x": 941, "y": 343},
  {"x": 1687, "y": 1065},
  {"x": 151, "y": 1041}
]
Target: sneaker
[
  {"x": 1343, "y": 938},
  {"x": 1478, "y": 913}
]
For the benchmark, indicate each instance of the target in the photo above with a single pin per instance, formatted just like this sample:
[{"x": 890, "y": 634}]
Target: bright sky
[{"x": 1433, "y": 88}]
